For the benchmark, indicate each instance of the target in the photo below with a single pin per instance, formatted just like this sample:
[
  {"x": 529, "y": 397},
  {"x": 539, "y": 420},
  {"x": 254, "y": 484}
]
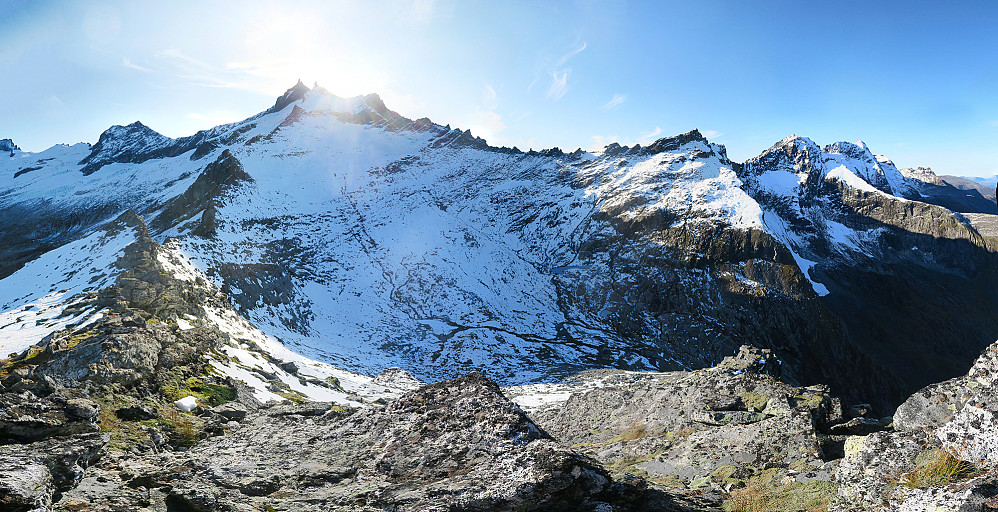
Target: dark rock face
[
  {"x": 46, "y": 444},
  {"x": 292, "y": 95},
  {"x": 137, "y": 143},
  {"x": 144, "y": 283},
  {"x": 216, "y": 178},
  {"x": 674, "y": 143},
  {"x": 8, "y": 146},
  {"x": 137, "y": 412},
  {"x": 25, "y": 417},
  {"x": 134, "y": 143}
]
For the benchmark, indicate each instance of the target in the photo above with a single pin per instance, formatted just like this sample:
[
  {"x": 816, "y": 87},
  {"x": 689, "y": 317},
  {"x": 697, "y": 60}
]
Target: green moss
[
  {"x": 756, "y": 402},
  {"x": 334, "y": 383},
  {"x": 809, "y": 400},
  {"x": 176, "y": 387},
  {"x": 802, "y": 465},
  {"x": 124, "y": 434},
  {"x": 670, "y": 481},
  {"x": 626, "y": 465},
  {"x": 76, "y": 339},
  {"x": 723, "y": 473},
  {"x": 293, "y": 396}
]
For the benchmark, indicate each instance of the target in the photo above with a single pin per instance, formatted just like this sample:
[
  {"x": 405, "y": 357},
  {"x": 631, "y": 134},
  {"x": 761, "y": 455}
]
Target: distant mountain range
[{"x": 360, "y": 238}]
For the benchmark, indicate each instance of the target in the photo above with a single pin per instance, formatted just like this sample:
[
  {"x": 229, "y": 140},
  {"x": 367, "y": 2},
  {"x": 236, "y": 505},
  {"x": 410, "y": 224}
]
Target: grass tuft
[
  {"x": 636, "y": 431},
  {"x": 937, "y": 467},
  {"x": 757, "y": 496}
]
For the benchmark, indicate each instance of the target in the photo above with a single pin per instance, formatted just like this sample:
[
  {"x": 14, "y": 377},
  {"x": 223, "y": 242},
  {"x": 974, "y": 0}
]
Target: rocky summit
[{"x": 330, "y": 306}]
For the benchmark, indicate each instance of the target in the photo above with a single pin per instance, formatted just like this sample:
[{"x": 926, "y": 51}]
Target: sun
[{"x": 285, "y": 43}]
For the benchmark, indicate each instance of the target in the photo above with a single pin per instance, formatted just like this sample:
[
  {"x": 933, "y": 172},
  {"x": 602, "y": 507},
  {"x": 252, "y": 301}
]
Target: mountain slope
[{"x": 366, "y": 240}]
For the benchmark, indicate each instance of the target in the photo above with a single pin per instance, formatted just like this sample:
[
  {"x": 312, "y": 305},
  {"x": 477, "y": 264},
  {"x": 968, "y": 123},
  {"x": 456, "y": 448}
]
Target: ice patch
[{"x": 843, "y": 174}]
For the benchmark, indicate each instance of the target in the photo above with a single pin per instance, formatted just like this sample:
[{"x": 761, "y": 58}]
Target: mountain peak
[
  {"x": 374, "y": 101},
  {"x": 858, "y": 150},
  {"x": 675, "y": 142},
  {"x": 123, "y": 144},
  {"x": 295, "y": 93},
  {"x": 134, "y": 130}
]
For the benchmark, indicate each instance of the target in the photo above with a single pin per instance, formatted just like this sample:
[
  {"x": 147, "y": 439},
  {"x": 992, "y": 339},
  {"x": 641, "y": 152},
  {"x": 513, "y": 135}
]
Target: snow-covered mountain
[{"x": 366, "y": 240}]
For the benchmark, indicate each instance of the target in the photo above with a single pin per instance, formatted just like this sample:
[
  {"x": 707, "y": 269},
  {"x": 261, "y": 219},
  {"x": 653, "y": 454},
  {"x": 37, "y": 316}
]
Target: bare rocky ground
[{"x": 731, "y": 437}]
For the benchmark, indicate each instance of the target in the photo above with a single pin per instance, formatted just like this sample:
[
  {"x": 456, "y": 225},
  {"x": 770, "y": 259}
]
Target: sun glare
[{"x": 282, "y": 44}]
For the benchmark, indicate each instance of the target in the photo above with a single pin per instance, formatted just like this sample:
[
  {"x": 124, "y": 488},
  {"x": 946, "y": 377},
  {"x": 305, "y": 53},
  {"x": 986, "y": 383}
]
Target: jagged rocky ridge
[{"x": 369, "y": 240}]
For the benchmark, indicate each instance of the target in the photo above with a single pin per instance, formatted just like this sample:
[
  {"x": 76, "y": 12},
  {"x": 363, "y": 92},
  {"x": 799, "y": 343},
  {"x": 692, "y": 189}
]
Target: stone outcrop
[
  {"x": 954, "y": 420},
  {"x": 711, "y": 431}
]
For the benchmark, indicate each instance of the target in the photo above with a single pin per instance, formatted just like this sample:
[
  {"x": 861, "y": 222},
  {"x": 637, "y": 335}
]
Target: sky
[{"x": 917, "y": 81}]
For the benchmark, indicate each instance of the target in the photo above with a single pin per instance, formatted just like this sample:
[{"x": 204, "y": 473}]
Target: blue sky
[{"x": 917, "y": 81}]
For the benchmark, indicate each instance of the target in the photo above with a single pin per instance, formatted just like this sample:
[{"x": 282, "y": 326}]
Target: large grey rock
[
  {"x": 976, "y": 495},
  {"x": 25, "y": 483},
  {"x": 454, "y": 445},
  {"x": 397, "y": 378},
  {"x": 864, "y": 475},
  {"x": 25, "y": 417},
  {"x": 31, "y": 473},
  {"x": 960, "y": 416}
]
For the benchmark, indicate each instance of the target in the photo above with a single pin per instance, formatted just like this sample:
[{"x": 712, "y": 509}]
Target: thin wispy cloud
[
  {"x": 711, "y": 134},
  {"x": 128, "y": 64},
  {"x": 52, "y": 102},
  {"x": 489, "y": 97},
  {"x": 651, "y": 135},
  {"x": 197, "y": 72},
  {"x": 532, "y": 84},
  {"x": 559, "y": 84},
  {"x": 569, "y": 55},
  {"x": 994, "y": 123},
  {"x": 614, "y": 102},
  {"x": 559, "y": 74},
  {"x": 176, "y": 55}
]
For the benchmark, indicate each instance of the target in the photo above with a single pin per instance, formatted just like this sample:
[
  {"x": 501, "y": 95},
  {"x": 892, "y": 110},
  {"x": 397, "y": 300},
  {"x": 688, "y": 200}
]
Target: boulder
[
  {"x": 454, "y": 445},
  {"x": 231, "y": 411}
]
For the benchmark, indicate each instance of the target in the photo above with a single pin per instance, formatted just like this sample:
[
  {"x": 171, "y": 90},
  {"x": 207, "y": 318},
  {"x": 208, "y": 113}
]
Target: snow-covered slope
[{"x": 363, "y": 239}]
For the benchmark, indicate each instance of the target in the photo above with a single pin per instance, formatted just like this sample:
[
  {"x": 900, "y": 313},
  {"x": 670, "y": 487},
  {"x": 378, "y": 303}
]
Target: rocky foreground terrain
[{"x": 95, "y": 419}]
